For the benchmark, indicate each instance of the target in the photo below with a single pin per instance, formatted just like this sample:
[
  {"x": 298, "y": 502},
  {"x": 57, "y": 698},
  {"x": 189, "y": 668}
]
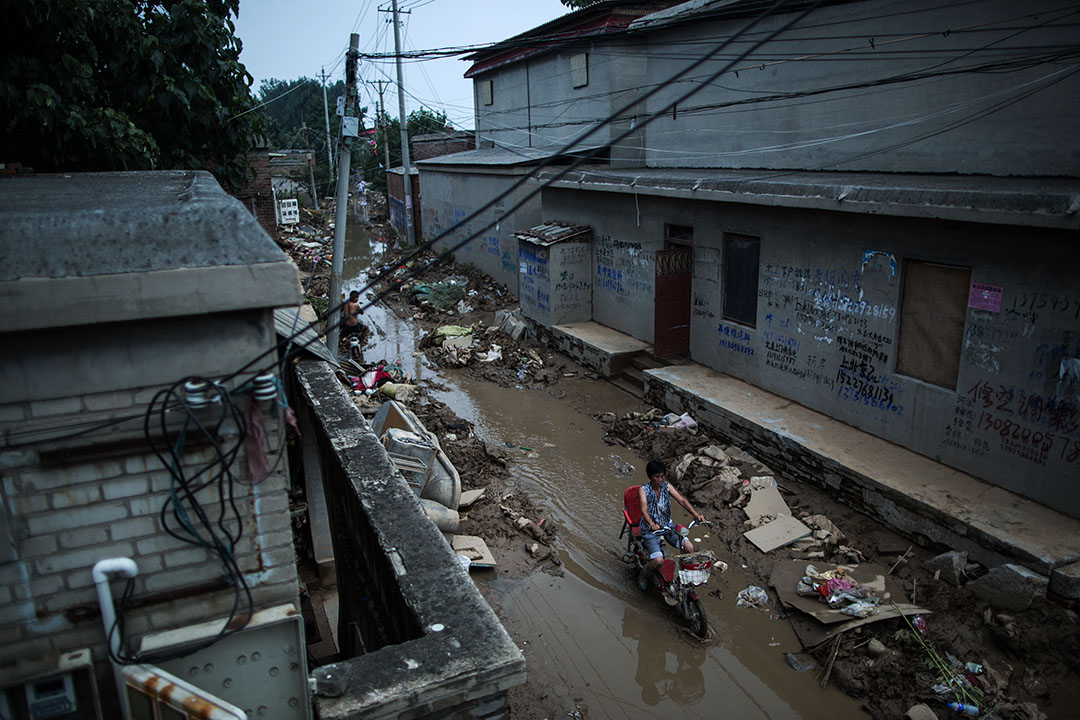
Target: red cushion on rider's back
[{"x": 633, "y": 504}]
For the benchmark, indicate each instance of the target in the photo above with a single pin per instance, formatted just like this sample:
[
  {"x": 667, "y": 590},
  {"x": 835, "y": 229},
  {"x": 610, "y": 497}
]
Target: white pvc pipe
[{"x": 125, "y": 567}]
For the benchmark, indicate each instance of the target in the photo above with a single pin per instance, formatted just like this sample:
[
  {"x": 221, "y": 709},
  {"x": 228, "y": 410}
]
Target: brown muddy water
[{"x": 598, "y": 644}]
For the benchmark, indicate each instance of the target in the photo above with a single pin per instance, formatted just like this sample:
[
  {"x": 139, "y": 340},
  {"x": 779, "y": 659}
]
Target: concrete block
[
  {"x": 174, "y": 579},
  {"x": 1065, "y": 581},
  {"x": 75, "y": 496},
  {"x": 35, "y": 546},
  {"x": 12, "y": 412},
  {"x": 59, "y": 521},
  {"x": 59, "y": 406},
  {"x": 28, "y": 504},
  {"x": 137, "y": 463},
  {"x": 190, "y": 556},
  {"x": 1010, "y": 587},
  {"x": 161, "y": 542},
  {"x": 146, "y": 504},
  {"x": 40, "y": 587},
  {"x": 58, "y": 602},
  {"x": 83, "y": 537},
  {"x": 80, "y": 559},
  {"x": 951, "y": 564},
  {"x": 109, "y": 400},
  {"x": 133, "y": 528},
  {"x": 125, "y": 487}
]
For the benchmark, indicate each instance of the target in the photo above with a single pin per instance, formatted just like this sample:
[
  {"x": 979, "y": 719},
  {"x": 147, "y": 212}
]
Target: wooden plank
[
  {"x": 475, "y": 549},
  {"x": 780, "y": 532}
]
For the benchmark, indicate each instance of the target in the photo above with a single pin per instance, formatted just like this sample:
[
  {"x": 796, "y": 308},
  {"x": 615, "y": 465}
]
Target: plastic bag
[{"x": 752, "y": 597}]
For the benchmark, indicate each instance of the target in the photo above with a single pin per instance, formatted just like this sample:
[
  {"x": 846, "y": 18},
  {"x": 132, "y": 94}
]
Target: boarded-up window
[
  {"x": 932, "y": 322},
  {"x": 741, "y": 278},
  {"x": 487, "y": 92},
  {"x": 579, "y": 70}
]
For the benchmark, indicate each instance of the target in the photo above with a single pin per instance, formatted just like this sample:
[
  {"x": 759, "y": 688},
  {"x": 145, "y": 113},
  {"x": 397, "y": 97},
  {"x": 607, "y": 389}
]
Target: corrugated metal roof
[
  {"x": 287, "y": 323},
  {"x": 554, "y": 231}
]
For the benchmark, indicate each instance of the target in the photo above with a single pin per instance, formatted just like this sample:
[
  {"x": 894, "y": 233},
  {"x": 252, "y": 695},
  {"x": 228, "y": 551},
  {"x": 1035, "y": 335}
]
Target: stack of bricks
[{"x": 67, "y": 506}]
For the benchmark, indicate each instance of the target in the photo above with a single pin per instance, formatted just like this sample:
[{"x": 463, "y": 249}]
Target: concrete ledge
[
  {"x": 910, "y": 492},
  {"x": 438, "y": 649},
  {"x": 593, "y": 345}
]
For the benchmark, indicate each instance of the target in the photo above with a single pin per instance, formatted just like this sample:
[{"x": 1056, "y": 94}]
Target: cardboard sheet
[
  {"x": 780, "y": 532},
  {"x": 468, "y": 497},
  {"x": 766, "y": 501},
  {"x": 475, "y": 549}
]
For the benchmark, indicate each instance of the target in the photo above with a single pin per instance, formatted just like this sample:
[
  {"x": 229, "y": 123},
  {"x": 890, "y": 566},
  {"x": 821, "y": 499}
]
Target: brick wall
[
  {"x": 436, "y": 144},
  {"x": 68, "y": 506},
  {"x": 258, "y": 195}
]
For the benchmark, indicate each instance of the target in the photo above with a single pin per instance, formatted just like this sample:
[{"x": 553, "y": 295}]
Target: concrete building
[
  {"x": 117, "y": 288},
  {"x": 834, "y": 217}
]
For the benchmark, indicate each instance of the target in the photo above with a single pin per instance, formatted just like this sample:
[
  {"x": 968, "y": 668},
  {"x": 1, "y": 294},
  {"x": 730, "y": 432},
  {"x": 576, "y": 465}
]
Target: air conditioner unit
[
  {"x": 261, "y": 669},
  {"x": 153, "y": 694},
  {"x": 63, "y": 689}
]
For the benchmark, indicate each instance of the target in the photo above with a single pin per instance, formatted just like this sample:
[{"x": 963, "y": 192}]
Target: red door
[{"x": 671, "y": 324}]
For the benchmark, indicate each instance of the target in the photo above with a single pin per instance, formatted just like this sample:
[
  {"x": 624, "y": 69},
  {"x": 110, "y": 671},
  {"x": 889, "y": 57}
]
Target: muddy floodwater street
[{"x": 594, "y": 643}]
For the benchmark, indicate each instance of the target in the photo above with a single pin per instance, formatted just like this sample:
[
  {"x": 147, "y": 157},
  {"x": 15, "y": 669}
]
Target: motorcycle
[{"x": 678, "y": 577}]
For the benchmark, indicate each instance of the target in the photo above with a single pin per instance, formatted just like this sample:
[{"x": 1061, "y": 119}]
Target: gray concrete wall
[
  {"x": 870, "y": 43},
  {"x": 555, "y": 282},
  {"x": 536, "y": 106},
  {"x": 420, "y": 640},
  {"x": 73, "y": 498},
  {"x": 624, "y": 255},
  {"x": 450, "y": 196},
  {"x": 828, "y": 297}
]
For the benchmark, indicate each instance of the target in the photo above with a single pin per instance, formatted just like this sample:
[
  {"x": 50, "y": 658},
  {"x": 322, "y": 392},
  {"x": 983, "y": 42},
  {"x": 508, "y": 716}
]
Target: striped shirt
[{"x": 658, "y": 505}]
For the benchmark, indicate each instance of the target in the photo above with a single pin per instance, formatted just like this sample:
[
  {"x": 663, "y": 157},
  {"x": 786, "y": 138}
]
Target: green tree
[
  {"x": 126, "y": 85},
  {"x": 578, "y": 3}
]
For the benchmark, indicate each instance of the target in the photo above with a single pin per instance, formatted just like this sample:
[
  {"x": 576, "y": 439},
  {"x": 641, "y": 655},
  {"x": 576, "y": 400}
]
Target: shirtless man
[{"x": 351, "y": 313}]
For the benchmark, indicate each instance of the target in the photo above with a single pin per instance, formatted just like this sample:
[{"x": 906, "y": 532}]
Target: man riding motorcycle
[{"x": 656, "y": 526}]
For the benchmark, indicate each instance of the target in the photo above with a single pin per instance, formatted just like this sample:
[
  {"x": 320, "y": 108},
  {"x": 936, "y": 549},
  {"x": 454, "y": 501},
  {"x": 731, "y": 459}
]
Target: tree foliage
[
  {"x": 576, "y": 4},
  {"x": 126, "y": 85},
  {"x": 293, "y": 103}
]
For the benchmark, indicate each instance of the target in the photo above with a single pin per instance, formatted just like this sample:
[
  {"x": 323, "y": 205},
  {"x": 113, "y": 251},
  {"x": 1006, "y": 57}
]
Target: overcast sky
[{"x": 285, "y": 39}]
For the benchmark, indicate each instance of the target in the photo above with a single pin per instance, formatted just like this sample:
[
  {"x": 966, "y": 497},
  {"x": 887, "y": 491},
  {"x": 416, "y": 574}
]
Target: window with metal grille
[
  {"x": 741, "y": 278},
  {"x": 932, "y": 316}
]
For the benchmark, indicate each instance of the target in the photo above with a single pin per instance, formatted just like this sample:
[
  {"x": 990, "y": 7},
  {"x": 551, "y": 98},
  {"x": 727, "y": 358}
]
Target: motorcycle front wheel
[{"x": 695, "y": 616}]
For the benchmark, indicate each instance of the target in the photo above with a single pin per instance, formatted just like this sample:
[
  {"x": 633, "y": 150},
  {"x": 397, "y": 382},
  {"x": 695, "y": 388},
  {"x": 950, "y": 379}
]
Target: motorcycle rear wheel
[{"x": 699, "y": 624}]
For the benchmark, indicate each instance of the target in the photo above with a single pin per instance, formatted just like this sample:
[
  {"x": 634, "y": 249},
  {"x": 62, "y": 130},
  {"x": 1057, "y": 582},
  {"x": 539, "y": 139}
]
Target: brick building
[
  {"x": 119, "y": 286},
  {"x": 258, "y": 195}
]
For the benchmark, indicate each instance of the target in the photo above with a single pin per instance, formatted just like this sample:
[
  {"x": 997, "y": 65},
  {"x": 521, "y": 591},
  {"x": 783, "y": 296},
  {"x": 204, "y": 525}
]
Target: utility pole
[
  {"x": 410, "y": 231},
  {"x": 326, "y": 116},
  {"x": 311, "y": 164},
  {"x": 385, "y": 143},
  {"x": 341, "y": 212}
]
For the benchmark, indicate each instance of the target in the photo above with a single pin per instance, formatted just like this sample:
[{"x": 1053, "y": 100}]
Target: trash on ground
[
  {"x": 475, "y": 549},
  {"x": 816, "y": 621},
  {"x": 468, "y": 497},
  {"x": 752, "y": 597}
]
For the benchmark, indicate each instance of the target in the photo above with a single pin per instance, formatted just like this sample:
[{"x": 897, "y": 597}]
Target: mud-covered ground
[{"x": 1028, "y": 658}]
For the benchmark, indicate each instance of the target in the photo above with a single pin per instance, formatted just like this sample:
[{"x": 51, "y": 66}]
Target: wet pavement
[{"x": 595, "y": 642}]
